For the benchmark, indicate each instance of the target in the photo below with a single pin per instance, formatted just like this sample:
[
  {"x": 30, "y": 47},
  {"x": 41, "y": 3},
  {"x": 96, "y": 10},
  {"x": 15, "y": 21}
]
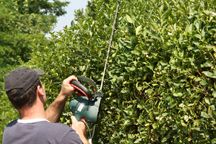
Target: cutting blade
[{"x": 89, "y": 81}]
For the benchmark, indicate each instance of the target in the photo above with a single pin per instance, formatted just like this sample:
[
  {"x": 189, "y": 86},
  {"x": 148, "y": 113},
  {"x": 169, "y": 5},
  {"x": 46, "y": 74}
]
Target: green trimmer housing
[{"x": 86, "y": 109}]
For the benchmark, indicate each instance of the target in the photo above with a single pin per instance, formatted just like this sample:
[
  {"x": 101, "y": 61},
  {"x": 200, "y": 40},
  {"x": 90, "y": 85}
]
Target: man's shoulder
[
  {"x": 54, "y": 127},
  {"x": 62, "y": 131}
]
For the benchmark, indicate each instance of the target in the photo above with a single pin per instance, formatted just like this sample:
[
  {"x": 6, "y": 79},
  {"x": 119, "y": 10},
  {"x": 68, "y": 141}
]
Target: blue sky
[{"x": 67, "y": 18}]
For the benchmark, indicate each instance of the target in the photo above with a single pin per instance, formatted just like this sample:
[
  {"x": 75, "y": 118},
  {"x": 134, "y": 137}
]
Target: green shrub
[{"x": 160, "y": 83}]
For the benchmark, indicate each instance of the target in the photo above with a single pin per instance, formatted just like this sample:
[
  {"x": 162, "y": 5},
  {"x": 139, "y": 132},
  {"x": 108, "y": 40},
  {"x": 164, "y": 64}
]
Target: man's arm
[{"x": 53, "y": 112}]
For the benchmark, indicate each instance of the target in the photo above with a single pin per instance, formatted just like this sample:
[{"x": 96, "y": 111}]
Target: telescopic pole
[{"x": 110, "y": 44}]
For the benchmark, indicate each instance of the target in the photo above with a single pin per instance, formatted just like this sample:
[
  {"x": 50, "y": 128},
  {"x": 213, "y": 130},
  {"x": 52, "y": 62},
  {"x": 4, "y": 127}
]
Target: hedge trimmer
[{"x": 86, "y": 107}]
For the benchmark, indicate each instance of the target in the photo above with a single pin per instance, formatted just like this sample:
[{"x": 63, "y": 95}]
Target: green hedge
[{"x": 160, "y": 83}]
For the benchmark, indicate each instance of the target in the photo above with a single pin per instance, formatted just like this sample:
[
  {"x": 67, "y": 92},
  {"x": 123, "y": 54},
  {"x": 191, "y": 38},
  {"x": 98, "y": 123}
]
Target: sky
[{"x": 67, "y": 18}]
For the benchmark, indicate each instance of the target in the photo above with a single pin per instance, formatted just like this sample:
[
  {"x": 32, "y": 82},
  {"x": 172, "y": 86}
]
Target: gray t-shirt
[{"x": 39, "y": 131}]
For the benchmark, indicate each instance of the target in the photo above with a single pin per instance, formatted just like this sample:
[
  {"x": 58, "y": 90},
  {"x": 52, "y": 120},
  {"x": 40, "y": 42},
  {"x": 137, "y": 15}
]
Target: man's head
[{"x": 21, "y": 86}]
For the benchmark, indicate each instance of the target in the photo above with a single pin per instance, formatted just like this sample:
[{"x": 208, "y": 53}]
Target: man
[{"x": 36, "y": 126}]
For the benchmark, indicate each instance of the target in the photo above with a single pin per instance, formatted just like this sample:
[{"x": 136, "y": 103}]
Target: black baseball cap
[{"x": 22, "y": 78}]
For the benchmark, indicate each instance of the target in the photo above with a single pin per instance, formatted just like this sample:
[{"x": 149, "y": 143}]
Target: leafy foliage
[
  {"x": 160, "y": 84},
  {"x": 22, "y": 22},
  {"x": 42, "y": 7}
]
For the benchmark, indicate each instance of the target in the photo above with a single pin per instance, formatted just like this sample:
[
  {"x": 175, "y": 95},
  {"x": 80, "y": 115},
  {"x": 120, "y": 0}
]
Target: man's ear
[{"x": 40, "y": 91}]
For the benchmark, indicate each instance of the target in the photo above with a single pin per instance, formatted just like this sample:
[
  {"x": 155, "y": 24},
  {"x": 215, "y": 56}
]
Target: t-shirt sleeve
[{"x": 71, "y": 138}]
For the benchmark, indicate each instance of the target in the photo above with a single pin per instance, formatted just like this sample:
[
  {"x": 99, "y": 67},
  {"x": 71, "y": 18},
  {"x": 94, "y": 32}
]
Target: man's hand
[
  {"x": 67, "y": 89},
  {"x": 80, "y": 129},
  {"x": 54, "y": 111}
]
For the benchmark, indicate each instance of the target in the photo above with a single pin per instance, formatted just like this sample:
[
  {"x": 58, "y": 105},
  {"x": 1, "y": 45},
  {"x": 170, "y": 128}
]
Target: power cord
[{"x": 91, "y": 136}]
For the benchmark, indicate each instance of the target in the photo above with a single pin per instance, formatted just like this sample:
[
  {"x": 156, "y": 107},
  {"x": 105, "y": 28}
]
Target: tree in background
[{"x": 22, "y": 22}]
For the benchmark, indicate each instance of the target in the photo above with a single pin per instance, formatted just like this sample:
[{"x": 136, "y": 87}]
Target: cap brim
[{"x": 39, "y": 71}]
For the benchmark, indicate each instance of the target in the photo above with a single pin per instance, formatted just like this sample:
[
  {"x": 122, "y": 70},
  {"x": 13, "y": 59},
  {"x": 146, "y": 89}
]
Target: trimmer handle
[{"x": 81, "y": 89}]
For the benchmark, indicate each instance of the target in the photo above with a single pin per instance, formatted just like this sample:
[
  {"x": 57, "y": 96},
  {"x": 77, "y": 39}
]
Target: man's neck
[{"x": 33, "y": 112}]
